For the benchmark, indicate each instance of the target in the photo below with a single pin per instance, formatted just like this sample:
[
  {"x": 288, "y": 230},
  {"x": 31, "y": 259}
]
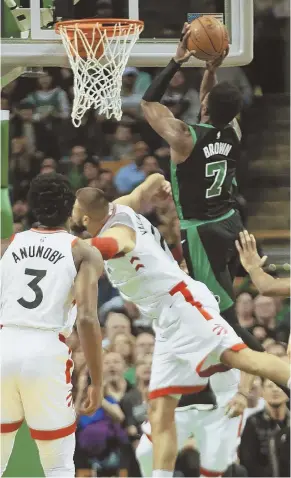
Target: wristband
[
  {"x": 156, "y": 90},
  {"x": 106, "y": 245}
]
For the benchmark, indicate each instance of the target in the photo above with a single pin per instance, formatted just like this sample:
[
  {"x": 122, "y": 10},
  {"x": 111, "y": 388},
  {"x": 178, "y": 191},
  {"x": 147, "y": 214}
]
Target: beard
[{"x": 77, "y": 228}]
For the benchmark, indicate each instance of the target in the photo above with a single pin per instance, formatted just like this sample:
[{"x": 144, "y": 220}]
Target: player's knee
[
  {"x": 162, "y": 413},
  {"x": 56, "y": 456}
]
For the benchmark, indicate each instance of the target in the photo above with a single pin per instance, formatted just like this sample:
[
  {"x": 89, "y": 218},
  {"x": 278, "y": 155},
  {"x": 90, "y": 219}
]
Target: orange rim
[{"x": 108, "y": 24}]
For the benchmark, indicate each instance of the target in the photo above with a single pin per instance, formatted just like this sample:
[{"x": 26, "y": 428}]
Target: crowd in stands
[{"x": 116, "y": 157}]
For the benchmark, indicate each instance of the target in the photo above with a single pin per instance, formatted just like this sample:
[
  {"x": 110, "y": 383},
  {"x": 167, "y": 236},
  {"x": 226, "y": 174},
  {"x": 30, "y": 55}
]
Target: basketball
[{"x": 208, "y": 37}]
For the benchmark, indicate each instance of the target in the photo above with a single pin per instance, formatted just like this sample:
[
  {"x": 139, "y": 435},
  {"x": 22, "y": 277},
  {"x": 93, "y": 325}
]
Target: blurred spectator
[
  {"x": 100, "y": 436},
  {"x": 48, "y": 165},
  {"x": 244, "y": 310},
  {"x": 20, "y": 210},
  {"x": 130, "y": 176},
  {"x": 267, "y": 342},
  {"x": 260, "y": 332},
  {"x": 134, "y": 84},
  {"x": 122, "y": 142},
  {"x": 256, "y": 402},
  {"x": 49, "y": 102},
  {"x": 18, "y": 227},
  {"x": 38, "y": 138},
  {"x": 150, "y": 165},
  {"x": 114, "y": 381},
  {"x": 183, "y": 101},
  {"x": 115, "y": 322},
  {"x": 140, "y": 150},
  {"x": 123, "y": 344},
  {"x": 105, "y": 182},
  {"x": 134, "y": 402},
  {"x": 277, "y": 348},
  {"x": 91, "y": 170},
  {"x": 23, "y": 166},
  {"x": 260, "y": 427},
  {"x": 76, "y": 167},
  {"x": 265, "y": 311},
  {"x": 144, "y": 344}
]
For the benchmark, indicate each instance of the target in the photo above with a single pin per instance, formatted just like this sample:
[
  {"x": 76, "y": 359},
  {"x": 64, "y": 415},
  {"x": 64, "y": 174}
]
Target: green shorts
[{"x": 209, "y": 247}]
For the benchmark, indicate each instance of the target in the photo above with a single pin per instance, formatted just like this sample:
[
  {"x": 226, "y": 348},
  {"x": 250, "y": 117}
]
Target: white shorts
[
  {"x": 188, "y": 346},
  {"x": 215, "y": 433},
  {"x": 36, "y": 369}
]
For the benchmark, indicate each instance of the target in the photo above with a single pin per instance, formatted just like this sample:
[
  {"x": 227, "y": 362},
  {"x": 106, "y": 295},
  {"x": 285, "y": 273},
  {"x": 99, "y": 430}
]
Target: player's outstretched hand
[
  {"x": 182, "y": 53},
  {"x": 236, "y": 406},
  {"x": 93, "y": 400},
  {"x": 248, "y": 252},
  {"x": 217, "y": 62}
]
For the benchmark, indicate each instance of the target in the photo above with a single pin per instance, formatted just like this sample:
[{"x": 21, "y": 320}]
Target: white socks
[{"x": 162, "y": 474}]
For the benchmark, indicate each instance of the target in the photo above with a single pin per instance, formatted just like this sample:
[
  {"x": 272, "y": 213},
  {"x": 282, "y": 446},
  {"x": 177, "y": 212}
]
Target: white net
[{"x": 98, "y": 72}]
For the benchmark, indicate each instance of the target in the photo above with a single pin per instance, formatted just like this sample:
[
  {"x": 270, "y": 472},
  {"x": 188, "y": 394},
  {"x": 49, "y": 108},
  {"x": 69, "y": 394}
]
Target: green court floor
[{"x": 24, "y": 460}]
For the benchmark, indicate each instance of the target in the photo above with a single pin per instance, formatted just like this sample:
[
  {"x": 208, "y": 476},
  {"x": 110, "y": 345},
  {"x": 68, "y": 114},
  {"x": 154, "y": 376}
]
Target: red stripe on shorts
[
  {"x": 69, "y": 365},
  {"x": 219, "y": 367},
  {"x": 52, "y": 434},
  {"x": 69, "y": 362},
  {"x": 205, "y": 472},
  {"x": 10, "y": 427},
  {"x": 182, "y": 287},
  {"x": 175, "y": 390}
]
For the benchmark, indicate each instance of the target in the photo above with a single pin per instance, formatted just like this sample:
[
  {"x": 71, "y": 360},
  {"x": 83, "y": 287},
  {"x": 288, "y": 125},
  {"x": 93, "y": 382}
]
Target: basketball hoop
[{"x": 98, "y": 51}]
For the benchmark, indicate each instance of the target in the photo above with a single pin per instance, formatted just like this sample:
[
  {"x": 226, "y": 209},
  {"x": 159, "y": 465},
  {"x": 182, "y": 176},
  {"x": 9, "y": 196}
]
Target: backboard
[{"x": 29, "y": 39}]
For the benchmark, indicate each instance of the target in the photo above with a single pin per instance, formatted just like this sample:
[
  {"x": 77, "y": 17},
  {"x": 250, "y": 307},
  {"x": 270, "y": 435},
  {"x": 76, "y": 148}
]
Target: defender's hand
[
  {"x": 182, "y": 53},
  {"x": 217, "y": 62},
  {"x": 248, "y": 253},
  {"x": 93, "y": 400},
  {"x": 236, "y": 406}
]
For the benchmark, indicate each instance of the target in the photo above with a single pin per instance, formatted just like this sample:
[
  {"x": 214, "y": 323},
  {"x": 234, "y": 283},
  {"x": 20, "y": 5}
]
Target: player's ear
[{"x": 85, "y": 221}]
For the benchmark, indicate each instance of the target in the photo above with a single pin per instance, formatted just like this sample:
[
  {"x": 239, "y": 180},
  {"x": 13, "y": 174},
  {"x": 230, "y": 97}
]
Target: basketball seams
[
  {"x": 208, "y": 37},
  {"x": 202, "y": 24}
]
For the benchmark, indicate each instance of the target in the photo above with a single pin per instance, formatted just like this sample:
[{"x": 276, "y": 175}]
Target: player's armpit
[
  {"x": 172, "y": 130},
  {"x": 143, "y": 192}
]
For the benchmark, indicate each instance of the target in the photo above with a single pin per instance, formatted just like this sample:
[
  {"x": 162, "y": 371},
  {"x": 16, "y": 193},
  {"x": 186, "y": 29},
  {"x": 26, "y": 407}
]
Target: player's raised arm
[
  {"x": 209, "y": 79},
  {"x": 253, "y": 263},
  {"x": 154, "y": 184},
  {"x": 85, "y": 294},
  {"x": 174, "y": 131}
]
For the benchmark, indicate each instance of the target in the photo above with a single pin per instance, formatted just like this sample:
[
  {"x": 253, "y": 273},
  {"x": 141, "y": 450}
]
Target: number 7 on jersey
[{"x": 217, "y": 169}]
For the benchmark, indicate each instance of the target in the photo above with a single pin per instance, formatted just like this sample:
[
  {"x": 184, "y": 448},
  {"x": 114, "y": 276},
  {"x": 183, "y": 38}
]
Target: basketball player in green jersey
[{"x": 203, "y": 166}]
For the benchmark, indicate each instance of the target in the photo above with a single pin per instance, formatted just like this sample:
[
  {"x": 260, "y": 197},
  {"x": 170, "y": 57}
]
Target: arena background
[{"x": 43, "y": 140}]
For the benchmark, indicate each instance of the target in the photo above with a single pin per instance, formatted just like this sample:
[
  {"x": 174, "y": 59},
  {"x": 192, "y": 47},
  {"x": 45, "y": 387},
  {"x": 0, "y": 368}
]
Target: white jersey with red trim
[
  {"x": 37, "y": 275},
  {"x": 146, "y": 275}
]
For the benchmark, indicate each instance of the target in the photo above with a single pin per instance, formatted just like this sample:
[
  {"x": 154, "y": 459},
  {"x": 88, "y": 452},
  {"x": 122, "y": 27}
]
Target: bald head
[
  {"x": 93, "y": 202},
  {"x": 90, "y": 210}
]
